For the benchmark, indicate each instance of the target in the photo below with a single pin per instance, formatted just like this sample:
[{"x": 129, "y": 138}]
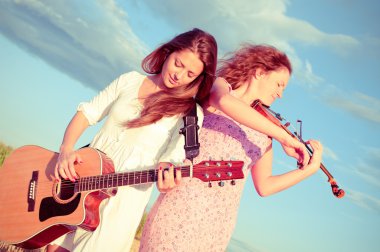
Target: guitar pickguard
[{"x": 50, "y": 208}]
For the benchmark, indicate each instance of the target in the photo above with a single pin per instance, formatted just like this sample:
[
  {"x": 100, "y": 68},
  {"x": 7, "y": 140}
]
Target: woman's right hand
[{"x": 65, "y": 165}]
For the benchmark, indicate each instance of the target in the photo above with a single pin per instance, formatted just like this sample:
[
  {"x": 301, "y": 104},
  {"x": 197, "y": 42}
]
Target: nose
[
  {"x": 178, "y": 75},
  {"x": 279, "y": 92}
]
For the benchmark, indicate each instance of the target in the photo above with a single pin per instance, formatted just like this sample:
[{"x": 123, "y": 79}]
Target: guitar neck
[{"x": 122, "y": 179}]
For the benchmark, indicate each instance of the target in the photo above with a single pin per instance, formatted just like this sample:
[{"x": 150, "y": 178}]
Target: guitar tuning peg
[
  {"x": 209, "y": 184},
  {"x": 221, "y": 183},
  {"x": 233, "y": 182}
]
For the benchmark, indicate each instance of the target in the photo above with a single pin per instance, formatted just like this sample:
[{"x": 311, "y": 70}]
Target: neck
[
  {"x": 157, "y": 83},
  {"x": 150, "y": 86}
]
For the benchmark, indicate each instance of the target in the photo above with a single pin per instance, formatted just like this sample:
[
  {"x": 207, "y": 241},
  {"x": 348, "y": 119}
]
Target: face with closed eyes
[
  {"x": 181, "y": 68},
  {"x": 271, "y": 85}
]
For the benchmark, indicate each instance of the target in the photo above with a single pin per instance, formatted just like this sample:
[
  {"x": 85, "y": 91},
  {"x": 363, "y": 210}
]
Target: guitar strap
[{"x": 190, "y": 132}]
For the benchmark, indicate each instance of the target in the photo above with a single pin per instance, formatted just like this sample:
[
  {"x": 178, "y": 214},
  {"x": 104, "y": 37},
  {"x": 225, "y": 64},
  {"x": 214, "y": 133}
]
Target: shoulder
[
  {"x": 220, "y": 90},
  {"x": 131, "y": 76},
  {"x": 221, "y": 84},
  {"x": 129, "y": 80}
]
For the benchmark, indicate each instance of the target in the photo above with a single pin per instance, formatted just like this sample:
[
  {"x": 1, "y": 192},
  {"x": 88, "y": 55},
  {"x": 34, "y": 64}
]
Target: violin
[{"x": 277, "y": 119}]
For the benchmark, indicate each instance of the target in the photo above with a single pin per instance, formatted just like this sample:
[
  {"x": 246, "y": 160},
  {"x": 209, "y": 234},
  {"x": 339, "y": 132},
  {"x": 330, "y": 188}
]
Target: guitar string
[
  {"x": 119, "y": 178},
  {"x": 143, "y": 173}
]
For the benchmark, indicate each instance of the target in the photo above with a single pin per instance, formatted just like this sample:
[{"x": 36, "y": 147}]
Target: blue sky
[{"x": 55, "y": 54}]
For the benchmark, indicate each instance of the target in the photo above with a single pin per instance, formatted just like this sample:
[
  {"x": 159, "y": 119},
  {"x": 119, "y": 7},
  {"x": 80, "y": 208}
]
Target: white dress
[{"x": 130, "y": 149}]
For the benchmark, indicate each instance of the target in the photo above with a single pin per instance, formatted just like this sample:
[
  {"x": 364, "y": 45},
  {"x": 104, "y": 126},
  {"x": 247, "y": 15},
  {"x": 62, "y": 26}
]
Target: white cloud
[
  {"x": 329, "y": 153},
  {"x": 357, "y": 104},
  {"x": 367, "y": 167},
  {"x": 93, "y": 48},
  {"x": 374, "y": 153},
  {"x": 368, "y": 172},
  {"x": 93, "y": 42},
  {"x": 305, "y": 73},
  {"x": 364, "y": 200},
  {"x": 259, "y": 21}
]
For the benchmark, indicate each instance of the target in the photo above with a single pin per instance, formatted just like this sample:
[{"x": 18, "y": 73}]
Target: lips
[{"x": 172, "y": 81}]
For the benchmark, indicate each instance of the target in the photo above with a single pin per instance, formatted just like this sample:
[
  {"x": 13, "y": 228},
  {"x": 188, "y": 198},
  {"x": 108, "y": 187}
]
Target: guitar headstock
[{"x": 218, "y": 170}]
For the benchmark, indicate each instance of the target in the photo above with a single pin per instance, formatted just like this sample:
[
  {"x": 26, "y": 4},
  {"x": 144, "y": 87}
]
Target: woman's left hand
[
  {"x": 166, "y": 179},
  {"x": 296, "y": 149}
]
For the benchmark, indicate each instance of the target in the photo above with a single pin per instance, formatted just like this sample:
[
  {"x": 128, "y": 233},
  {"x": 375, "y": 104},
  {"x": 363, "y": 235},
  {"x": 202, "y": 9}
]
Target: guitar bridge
[{"x": 32, "y": 191}]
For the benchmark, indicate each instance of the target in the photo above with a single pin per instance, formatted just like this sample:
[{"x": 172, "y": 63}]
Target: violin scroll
[{"x": 339, "y": 193}]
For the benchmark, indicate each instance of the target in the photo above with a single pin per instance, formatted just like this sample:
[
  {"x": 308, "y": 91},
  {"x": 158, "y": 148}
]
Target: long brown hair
[
  {"x": 179, "y": 100},
  {"x": 241, "y": 65}
]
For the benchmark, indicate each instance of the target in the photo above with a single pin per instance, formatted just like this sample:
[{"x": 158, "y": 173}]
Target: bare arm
[
  {"x": 67, "y": 155},
  {"x": 221, "y": 99},
  {"x": 266, "y": 184}
]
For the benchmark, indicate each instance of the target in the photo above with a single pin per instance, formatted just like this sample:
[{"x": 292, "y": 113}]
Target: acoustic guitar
[{"x": 36, "y": 209}]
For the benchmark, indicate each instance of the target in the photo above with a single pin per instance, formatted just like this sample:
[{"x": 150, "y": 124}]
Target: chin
[
  {"x": 167, "y": 83},
  {"x": 267, "y": 103}
]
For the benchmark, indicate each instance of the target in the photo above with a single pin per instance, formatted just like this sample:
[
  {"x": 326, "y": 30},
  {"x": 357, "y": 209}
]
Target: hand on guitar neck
[{"x": 167, "y": 177}]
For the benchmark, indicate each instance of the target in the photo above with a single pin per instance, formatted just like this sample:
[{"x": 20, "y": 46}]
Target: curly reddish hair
[{"x": 240, "y": 66}]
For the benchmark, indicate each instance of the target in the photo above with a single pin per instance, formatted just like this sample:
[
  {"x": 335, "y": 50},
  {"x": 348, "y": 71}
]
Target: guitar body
[
  {"x": 30, "y": 216},
  {"x": 36, "y": 209}
]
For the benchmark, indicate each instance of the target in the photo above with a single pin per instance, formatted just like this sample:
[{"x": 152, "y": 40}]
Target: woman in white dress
[{"x": 143, "y": 116}]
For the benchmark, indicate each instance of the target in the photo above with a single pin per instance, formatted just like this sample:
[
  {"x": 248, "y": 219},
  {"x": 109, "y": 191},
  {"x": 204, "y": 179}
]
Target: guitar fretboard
[{"x": 121, "y": 179}]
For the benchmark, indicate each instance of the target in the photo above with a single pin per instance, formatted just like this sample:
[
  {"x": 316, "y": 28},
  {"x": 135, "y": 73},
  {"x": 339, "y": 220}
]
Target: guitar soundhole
[
  {"x": 51, "y": 208},
  {"x": 66, "y": 190},
  {"x": 64, "y": 201}
]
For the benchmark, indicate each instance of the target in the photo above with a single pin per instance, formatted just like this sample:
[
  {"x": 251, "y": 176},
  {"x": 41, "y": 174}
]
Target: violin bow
[{"x": 277, "y": 119}]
